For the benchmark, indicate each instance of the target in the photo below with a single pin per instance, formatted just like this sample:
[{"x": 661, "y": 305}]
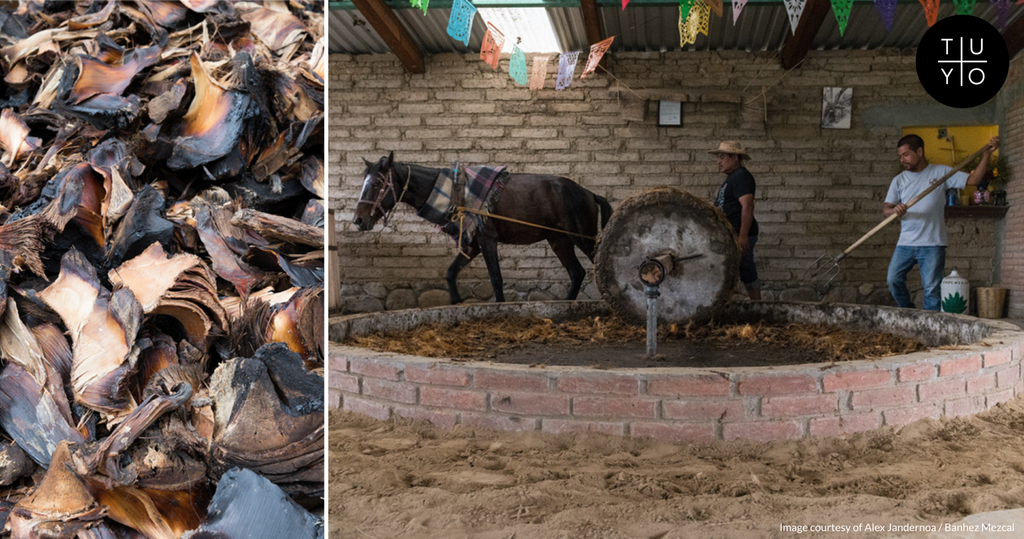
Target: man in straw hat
[{"x": 736, "y": 198}]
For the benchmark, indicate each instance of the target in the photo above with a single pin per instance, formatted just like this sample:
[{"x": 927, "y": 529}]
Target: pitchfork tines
[{"x": 824, "y": 270}]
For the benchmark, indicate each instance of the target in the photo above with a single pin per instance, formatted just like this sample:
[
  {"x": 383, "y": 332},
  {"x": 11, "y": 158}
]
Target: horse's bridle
[{"x": 388, "y": 187}]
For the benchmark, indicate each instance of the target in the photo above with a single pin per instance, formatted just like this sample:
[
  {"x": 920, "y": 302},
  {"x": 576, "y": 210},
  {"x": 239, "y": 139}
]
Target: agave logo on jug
[{"x": 962, "y": 61}]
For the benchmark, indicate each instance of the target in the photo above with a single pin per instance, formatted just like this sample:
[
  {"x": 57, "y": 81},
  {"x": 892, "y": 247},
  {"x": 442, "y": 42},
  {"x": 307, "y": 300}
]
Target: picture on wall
[{"x": 836, "y": 107}]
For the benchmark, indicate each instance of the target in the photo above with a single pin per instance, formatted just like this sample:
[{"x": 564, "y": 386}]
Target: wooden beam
[
  {"x": 390, "y": 29},
  {"x": 797, "y": 45},
  {"x": 592, "y": 24},
  {"x": 591, "y": 20},
  {"x": 1014, "y": 37}
]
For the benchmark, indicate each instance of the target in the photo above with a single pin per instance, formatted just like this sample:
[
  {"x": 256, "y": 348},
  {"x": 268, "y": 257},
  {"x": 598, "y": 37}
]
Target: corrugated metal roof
[{"x": 760, "y": 27}]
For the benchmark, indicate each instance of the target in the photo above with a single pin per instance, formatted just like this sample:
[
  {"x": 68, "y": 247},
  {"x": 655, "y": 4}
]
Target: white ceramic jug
[{"x": 956, "y": 294}]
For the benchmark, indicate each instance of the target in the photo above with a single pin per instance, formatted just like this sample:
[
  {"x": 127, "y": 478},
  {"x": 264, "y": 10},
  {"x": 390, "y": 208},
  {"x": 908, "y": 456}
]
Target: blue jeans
[{"x": 930, "y": 261}]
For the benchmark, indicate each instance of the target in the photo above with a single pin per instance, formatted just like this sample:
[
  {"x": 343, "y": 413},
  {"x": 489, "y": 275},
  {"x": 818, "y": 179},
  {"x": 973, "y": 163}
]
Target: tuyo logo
[{"x": 962, "y": 61}]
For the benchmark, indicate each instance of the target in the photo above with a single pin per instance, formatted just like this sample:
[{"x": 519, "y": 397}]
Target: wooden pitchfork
[{"x": 827, "y": 267}]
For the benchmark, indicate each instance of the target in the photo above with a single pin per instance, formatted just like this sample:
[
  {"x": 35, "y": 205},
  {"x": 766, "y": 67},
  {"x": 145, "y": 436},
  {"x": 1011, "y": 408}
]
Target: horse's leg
[
  {"x": 456, "y": 266},
  {"x": 566, "y": 252},
  {"x": 490, "y": 249}
]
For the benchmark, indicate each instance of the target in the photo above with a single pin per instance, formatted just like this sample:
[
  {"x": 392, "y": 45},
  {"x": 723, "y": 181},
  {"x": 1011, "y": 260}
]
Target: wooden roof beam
[
  {"x": 386, "y": 23},
  {"x": 795, "y": 48},
  {"x": 592, "y": 24}
]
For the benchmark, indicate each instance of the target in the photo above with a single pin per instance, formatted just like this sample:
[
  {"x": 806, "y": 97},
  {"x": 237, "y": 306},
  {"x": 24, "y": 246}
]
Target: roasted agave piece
[
  {"x": 147, "y": 513},
  {"x": 92, "y": 19},
  {"x": 20, "y": 245},
  {"x": 166, "y": 14},
  {"x": 14, "y": 138},
  {"x": 103, "y": 327},
  {"x": 33, "y": 407},
  {"x": 269, "y": 417},
  {"x": 91, "y": 89},
  {"x": 103, "y": 458},
  {"x": 31, "y": 415},
  {"x": 16, "y": 465},
  {"x": 96, "y": 195},
  {"x": 80, "y": 198},
  {"x": 297, "y": 322},
  {"x": 226, "y": 243},
  {"x": 61, "y": 507},
  {"x": 180, "y": 286},
  {"x": 302, "y": 270},
  {"x": 211, "y": 128},
  {"x": 247, "y": 505},
  {"x": 280, "y": 31},
  {"x": 97, "y": 77},
  {"x": 170, "y": 456}
]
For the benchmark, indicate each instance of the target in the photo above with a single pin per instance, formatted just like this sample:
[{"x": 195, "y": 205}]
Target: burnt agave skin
[
  {"x": 309, "y": 274},
  {"x": 213, "y": 124},
  {"x": 96, "y": 77},
  {"x": 141, "y": 227},
  {"x": 275, "y": 396},
  {"x": 166, "y": 14},
  {"x": 104, "y": 110}
]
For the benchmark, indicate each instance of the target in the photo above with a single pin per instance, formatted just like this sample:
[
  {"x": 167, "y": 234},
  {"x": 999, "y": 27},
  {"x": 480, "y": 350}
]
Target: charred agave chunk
[{"x": 273, "y": 395}]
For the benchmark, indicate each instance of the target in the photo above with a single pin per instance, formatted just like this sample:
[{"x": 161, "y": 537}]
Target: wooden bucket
[{"x": 990, "y": 302}]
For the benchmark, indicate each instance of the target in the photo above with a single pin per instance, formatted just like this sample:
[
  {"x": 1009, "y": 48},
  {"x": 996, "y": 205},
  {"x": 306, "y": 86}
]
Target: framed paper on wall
[
  {"x": 670, "y": 114},
  {"x": 836, "y": 107}
]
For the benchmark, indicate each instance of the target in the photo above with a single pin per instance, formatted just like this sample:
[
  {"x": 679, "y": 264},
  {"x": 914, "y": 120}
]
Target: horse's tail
[{"x": 605, "y": 210}]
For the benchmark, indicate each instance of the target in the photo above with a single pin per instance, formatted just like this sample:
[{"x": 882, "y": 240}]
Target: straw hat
[{"x": 730, "y": 147}]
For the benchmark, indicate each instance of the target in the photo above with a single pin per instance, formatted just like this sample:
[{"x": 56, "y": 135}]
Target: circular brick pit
[{"x": 977, "y": 367}]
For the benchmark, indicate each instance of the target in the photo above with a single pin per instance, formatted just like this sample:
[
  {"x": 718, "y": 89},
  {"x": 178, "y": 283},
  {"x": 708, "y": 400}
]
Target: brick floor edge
[{"x": 684, "y": 404}]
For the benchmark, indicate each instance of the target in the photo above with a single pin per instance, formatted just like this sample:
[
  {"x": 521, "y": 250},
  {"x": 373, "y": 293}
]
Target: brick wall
[
  {"x": 1011, "y": 266},
  {"x": 818, "y": 189},
  {"x": 681, "y": 404}
]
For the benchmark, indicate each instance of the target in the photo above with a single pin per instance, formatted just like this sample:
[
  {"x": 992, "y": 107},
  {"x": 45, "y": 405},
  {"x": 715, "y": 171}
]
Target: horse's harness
[
  {"x": 388, "y": 187},
  {"x": 456, "y": 213}
]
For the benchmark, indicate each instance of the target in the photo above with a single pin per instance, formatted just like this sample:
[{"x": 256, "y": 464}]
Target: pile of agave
[{"x": 161, "y": 268}]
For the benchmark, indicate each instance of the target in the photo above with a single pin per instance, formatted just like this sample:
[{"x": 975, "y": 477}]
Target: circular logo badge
[{"x": 962, "y": 61}]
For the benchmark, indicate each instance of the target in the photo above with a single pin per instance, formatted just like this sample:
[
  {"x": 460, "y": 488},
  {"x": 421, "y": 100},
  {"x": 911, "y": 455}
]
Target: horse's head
[{"x": 379, "y": 195}]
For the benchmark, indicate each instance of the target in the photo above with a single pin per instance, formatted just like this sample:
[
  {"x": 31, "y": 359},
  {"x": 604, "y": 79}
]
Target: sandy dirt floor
[{"x": 404, "y": 479}]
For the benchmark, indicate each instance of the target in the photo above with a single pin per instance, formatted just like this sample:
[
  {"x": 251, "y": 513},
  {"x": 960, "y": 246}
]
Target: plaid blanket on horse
[{"x": 477, "y": 189}]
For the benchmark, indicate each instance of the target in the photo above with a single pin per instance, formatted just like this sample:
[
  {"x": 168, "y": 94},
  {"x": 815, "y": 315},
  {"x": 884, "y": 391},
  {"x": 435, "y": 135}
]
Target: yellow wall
[{"x": 964, "y": 139}]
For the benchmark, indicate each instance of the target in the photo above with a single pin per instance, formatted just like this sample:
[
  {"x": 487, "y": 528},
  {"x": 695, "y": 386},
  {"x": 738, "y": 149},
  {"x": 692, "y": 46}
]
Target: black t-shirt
[{"x": 738, "y": 183}]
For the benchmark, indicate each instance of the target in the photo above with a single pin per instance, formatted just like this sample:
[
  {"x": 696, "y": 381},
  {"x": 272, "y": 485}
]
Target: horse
[{"x": 571, "y": 216}]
